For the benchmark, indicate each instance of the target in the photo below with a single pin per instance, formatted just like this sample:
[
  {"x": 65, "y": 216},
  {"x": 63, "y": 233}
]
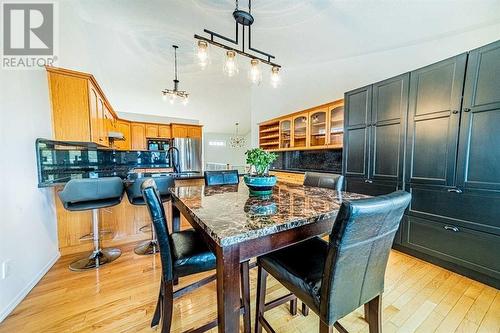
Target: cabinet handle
[
  {"x": 451, "y": 228},
  {"x": 454, "y": 111},
  {"x": 368, "y": 181},
  {"x": 454, "y": 190},
  {"x": 466, "y": 110}
]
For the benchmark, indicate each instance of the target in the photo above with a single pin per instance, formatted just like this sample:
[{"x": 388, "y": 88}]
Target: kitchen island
[{"x": 59, "y": 161}]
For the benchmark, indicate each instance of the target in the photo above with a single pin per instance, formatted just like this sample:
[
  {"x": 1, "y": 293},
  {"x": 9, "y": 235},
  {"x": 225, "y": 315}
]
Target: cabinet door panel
[
  {"x": 355, "y": 152},
  {"x": 389, "y": 111},
  {"x": 390, "y": 98},
  {"x": 479, "y": 153},
  {"x": 194, "y": 132},
  {"x": 164, "y": 131},
  {"x": 358, "y": 105},
  {"x": 386, "y": 151},
  {"x": 138, "y": 134},
  {"x": 474, "y": 209},
  {"x": 433, "y": 120},
  {"x": 465, "y": 247},
  {"x": 151, "y": 131}
]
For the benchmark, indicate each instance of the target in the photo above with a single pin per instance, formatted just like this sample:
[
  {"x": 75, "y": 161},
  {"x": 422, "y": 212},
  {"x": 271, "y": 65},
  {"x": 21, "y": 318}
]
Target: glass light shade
[
  {"x": 172, "y": 98},
  {"x": 202, "y": 53},
  {"x": 255, "y": 73},
  {"x": 164, "y": 97},
  {"x": 230, "y": 65},
  {"x": 275, "y": 76},
  {"x": 185, "y": 100}
]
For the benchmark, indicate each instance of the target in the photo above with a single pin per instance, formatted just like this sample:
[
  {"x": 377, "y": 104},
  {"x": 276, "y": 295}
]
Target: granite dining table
[{"x": 238, "y": 227}]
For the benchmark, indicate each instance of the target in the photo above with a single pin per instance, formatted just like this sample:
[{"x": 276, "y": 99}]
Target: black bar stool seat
[
  {"x": 325, "y": 180},
  {"x": 134, "y": 194},
  {"x": 93, "y": 194}
]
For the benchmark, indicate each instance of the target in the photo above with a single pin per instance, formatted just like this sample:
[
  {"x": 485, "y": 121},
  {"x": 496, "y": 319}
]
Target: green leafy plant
[{"x": 260, "y": 159}]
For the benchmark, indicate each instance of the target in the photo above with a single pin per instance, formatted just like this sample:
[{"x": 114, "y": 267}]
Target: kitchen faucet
[{"x": 174, "y": 163}]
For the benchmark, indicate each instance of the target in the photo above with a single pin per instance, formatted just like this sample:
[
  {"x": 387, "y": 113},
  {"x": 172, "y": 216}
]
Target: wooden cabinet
[
  {"x": 433, "y": 122},
  {"x": 318, "y": 123},
  {"x": 376, "y": 131},
  {"x": 299, "y": 131},
  {"x": 336, "y": 128},
  {"x": 138, "y": 135},
  {"x": 285, "y": 133},
  {"x": 80, "y": 111},
  {"x": 194, "y": 132},
  {"x": 164, "y": 131},
  {"x": 123, "y": 127},
  {"x": 479, "y": 151},
  {"x": 320, "y": 127},
  {"x": 151, "y": 131},
  {"x": 186, "y": 131}
]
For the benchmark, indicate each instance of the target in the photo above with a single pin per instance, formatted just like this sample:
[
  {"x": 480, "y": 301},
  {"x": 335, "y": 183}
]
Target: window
[{"x": 217, "y": 143}]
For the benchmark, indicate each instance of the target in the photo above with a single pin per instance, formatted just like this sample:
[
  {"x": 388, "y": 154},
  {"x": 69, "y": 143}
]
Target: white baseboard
[{"x": 22, "y": 294}]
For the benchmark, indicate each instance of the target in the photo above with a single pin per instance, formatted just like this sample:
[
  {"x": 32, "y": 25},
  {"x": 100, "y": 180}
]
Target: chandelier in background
[
  {"x": 230, "y": 68},
  {"x": 173, "y": 94},
  {"x": 237, "y": 141}
]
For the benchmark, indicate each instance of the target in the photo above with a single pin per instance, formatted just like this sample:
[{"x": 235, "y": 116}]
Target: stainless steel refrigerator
[{"x": 189, "y": 159}]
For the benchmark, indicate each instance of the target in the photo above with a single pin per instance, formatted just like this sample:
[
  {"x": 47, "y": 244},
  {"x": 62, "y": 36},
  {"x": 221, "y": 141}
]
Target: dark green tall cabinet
[
  {"x": 451, "y": 160},
  {"x": 374, "y": 136}
]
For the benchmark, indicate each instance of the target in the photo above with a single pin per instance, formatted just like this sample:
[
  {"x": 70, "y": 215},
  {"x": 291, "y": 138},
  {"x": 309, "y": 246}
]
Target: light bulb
[
  {"x": 275, "y": 76},
  {"x": 185, "y": 100},
  {"x": 255, "y": 74},
  {"x": 230, "y": 65},
  {"x": 202, "y": 53},
  {"x": 172, "y": 98}
]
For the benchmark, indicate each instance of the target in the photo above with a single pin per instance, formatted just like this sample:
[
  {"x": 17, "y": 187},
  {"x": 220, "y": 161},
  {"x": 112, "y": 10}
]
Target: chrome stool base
[
  {"x": 95, "y": 259},
  {"x": 147, "y": 247}
]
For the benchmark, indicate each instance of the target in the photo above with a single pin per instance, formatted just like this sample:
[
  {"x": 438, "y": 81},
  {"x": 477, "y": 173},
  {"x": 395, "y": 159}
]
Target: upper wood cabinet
[
  {"x": 320, "y": 127},
  {"x": 164, "y": 131},
  {"x": 151, "y": 131},
  {"x": 318, "y": 123},
  {"x": 80, "y": 111},
  {"x": 186, "y": 131},
  {"x": 138, "y": 134},
  {"x": 124, "y": 128}
]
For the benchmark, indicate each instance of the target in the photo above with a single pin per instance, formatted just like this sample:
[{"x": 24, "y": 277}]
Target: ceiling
[{"x": 128, "y": 44}]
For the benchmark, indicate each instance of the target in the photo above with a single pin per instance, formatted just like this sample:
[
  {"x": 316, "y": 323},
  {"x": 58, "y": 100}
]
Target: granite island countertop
[{"x": 229, "y": 215}]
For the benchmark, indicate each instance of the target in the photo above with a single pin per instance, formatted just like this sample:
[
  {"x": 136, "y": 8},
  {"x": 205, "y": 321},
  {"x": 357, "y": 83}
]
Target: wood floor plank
[{"x": 121, "y": 298}]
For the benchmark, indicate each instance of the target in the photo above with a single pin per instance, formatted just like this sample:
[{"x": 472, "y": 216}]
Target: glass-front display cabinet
[
  {"x": 285, "y": 133},
  {"x": 337, "y": 126},
  {"x": 317, "y": 128},
  {"x": 299, "y": 131}
]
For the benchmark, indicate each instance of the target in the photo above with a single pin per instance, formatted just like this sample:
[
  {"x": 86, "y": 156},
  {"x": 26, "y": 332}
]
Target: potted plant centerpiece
[{"x": 259, "y": 182}]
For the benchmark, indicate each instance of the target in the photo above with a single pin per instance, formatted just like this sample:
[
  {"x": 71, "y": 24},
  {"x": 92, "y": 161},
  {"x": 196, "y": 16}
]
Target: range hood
[{"x": 116, "y": 136}]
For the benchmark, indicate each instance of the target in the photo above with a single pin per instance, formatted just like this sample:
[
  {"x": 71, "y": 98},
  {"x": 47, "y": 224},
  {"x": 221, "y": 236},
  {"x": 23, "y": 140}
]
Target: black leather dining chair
[
  {"x": 334, "y": 278},
  {"x": 182, "y": 253},
  {"x": 222, "y": 177},
  {"x": 326, "y": 180}
]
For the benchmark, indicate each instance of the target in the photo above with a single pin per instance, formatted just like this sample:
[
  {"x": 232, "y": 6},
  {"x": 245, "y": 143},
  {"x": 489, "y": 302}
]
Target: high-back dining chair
[
  {"x": 334, "y": 278},
  {"x": 222, "y": 177},
  {"x": 326, "y": 180},
  {"x": 182, "y": 253}
]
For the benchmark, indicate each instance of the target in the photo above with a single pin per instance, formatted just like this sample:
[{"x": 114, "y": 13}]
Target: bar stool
[
  {"x": 326, "y": 180},
  {"x": 93, "y": 194},
  {"x": 135, "y": 197}
]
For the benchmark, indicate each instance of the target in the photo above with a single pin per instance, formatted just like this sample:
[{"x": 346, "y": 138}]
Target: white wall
[
  {"x": 224, "y": 154},
  {"x": 306, "y": 86},
  {"x": 28, "y": 227}
]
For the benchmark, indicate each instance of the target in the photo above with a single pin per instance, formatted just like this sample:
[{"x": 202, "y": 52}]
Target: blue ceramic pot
[{"x": 260, "y": 185}]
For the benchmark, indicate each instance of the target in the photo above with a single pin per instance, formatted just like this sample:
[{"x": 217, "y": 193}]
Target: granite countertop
[{"x": 230, "y": 216}]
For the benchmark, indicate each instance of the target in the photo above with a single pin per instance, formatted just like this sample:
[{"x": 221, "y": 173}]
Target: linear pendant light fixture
[
  {"x": 246, "y": 19},
  {"x": 173, "y": 94}
]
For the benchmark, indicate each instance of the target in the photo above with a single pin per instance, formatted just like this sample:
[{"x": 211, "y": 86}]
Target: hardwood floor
[{"x": 419, "y": 297}]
